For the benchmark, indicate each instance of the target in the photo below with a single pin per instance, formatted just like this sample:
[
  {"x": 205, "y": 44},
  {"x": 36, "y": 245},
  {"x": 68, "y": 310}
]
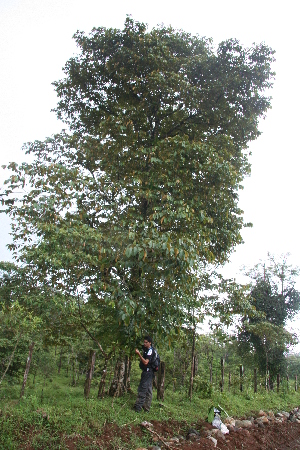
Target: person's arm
[{"x": 144, "y": 361}]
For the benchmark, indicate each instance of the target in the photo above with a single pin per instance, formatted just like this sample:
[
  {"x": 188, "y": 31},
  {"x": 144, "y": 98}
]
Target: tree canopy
[
  {"x": 274, "y": 296},
  {"x": 122, "y": 208}
]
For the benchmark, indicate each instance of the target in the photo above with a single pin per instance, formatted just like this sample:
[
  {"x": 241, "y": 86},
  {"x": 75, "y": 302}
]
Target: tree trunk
[
  {"x": 192, "y": 366},
  {"x": 195, "y": 365},
  {"x": 101, "y": 390},
  {"x": 241, "y": 377},
  {"x": 222, "y": 373},
  {"x": 161, "y": 381},
  {"x": 60, "y": 361},
  {"x": 211, "y": 373},
  {"x": 89, "y": 375},
  {"x": 155, "y": 380},
  {"x": 127, "y": 374},
  {"x": 74, "y": 369},
  {"x": 121, "y": 381},
  {"x": 173, "y": 373},
  {"x": 27, "y": 369},
  {"x": 255, "y": 381}
]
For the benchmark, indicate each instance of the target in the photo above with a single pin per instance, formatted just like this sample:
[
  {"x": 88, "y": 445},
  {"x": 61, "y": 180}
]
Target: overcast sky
[{"x": 36, "y": 41}]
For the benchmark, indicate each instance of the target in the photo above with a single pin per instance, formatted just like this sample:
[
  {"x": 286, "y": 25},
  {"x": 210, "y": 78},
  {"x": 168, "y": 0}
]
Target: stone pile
[{"x": 261, "y": 420}]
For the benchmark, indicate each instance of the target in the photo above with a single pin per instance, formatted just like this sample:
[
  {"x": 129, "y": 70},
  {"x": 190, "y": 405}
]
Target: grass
[{"x": 51, "y": 413}]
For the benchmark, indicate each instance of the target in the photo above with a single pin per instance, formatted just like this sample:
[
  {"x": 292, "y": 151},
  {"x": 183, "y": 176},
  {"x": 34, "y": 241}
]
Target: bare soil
[
  {"x": 274, "y": 436},
  {"x": 175, "y": 435}
]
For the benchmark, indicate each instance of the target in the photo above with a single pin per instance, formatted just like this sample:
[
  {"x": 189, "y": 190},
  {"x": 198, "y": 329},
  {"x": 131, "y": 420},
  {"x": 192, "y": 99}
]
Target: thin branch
[{"x": 156, "y": 434}]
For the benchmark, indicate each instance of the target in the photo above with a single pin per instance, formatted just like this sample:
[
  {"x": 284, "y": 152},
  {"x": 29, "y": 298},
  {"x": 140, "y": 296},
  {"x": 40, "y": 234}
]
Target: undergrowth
[{"x": 51, "y": 413}]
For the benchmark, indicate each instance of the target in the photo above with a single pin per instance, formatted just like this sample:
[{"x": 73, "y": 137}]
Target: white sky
[{"x": 36, "y": 41}]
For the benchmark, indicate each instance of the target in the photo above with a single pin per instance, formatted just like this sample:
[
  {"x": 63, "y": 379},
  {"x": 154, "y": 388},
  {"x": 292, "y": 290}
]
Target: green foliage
[
  {"x": 121, "y": 211},
  {"x": 273, "y": 294}
]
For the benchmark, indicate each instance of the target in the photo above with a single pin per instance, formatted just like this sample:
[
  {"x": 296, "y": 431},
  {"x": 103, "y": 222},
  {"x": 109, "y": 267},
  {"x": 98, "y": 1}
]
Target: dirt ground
[{"x": 175, "y": 435}]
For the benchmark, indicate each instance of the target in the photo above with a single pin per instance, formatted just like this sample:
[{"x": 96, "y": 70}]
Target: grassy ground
[{"x": 52, "y": 410}]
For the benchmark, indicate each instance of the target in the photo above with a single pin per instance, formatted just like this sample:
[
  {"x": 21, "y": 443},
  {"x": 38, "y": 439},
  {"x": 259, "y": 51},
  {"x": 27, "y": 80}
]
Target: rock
[
  {"x": 261, "y": 413},
  {"x": 260, "y": 425},
  {"x": 213, "y": 440},
  {"x": 285, "y": 414},
  {"x": 271, "y": 414},
  {"x": 175, "y": 440},
  {"x": 229, "y": 421},
  {"x": 278, "y": 419},
  {"x": 217, "y": 434},
  {"x": 146, "y": 424},
  {"x": 207, "y": 432},
  {"x": 243, "y": 423},
  {"x": 193, "y": 431},
  {"x": 263, "y": 420},
  {"x": 154, "y": 447}
]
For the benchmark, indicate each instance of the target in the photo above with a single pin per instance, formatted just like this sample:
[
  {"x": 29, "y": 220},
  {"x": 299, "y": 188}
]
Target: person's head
[{"x": 147, "y": 341}]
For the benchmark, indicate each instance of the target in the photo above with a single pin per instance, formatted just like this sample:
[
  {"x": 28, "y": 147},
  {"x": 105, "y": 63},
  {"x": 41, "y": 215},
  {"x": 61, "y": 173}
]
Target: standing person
[{"x": 144, "y": 397}]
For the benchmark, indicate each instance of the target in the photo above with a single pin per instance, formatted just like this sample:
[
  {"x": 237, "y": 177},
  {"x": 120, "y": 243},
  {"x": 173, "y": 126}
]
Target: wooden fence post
[{"x": 296, "y": 383}]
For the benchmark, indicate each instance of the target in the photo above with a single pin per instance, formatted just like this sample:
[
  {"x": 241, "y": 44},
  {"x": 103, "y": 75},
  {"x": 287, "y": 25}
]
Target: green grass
[{"x": 53, "y": 412}]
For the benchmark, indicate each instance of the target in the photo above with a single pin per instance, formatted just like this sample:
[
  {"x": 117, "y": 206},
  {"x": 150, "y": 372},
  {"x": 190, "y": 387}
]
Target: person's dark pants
[{"x": 144, "y": 397}]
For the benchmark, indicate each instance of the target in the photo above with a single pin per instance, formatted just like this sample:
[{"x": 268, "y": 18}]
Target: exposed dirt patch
[
  {"x": 175, "y": 435},
  {"x": 274, "y": 436}
]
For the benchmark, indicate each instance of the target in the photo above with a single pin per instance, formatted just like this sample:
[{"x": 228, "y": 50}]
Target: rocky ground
[{"x": 264, "y": 432}]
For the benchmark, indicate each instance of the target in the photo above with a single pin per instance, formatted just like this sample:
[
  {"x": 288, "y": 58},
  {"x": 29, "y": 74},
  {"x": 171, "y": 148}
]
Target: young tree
[
  {"x": 274, "y": 295},
  {"x": 121, "y": 209}
]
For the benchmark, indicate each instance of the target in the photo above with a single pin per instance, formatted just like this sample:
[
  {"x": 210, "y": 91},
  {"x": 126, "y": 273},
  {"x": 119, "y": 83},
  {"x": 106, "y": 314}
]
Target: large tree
[{"x": 143, "y": 187}]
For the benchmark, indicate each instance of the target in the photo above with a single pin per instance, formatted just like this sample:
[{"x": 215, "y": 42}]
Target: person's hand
[{"x": 137, "y": 351}]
